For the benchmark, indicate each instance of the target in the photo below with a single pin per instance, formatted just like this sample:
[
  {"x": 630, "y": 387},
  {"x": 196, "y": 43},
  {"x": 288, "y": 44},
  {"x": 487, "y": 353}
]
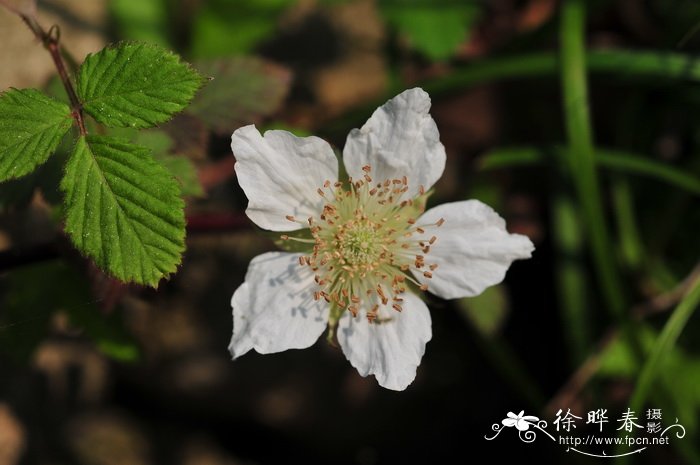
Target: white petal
[
  {"x": 274, "y": 309},
  {"x": 473, "y": 249},
  {"x": 390, "y": 350},
  {"x": 522, "y": 425},
  {"x": 399, "y": 139},
  {"x": 280, "y": 174}
]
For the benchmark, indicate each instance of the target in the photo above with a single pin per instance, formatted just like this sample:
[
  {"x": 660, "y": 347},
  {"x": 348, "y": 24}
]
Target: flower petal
[
  {"x": 280, "y": 174},
  {"x": 390, "y": 350},
  {"x": 473, "y": 249},
  {"x": 400, "y": 139},
  {"x": 509, "y": 422},
  {"x": 274, "y": 309},
  {"x": 522, "y": 425}
]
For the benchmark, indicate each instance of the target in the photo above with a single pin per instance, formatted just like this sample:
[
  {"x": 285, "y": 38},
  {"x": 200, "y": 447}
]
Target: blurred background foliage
[{"x": 96, "y": 372}]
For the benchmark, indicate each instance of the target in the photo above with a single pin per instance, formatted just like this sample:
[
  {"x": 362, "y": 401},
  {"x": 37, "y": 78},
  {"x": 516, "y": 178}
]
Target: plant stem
[
  {"x": 581, "y": 159},
  {"x": 614, "y": 160},
  {"x": 50, "y": 40},
  {"x": 664, "y": 344},
  {"x": 571, "y": 278},
  {"x": 620, "y": 64}
]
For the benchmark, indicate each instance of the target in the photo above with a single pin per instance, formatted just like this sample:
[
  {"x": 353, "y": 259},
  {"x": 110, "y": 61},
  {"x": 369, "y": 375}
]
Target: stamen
[{"x": 365, "y": 245}]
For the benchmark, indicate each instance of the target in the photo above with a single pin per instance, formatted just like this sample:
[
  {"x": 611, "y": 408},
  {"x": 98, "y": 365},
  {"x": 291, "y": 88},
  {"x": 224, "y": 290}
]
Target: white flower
[
  {"x": 369, "y": 245},
  {"x": 520, "y": 421}
]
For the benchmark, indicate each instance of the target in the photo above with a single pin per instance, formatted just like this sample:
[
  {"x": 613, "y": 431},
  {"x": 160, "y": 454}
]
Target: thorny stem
[{"x": 50, "y": 40}]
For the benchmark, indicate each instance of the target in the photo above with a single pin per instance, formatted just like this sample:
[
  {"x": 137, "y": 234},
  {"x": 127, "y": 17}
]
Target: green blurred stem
[
  {"x": 664, "y": 344},
  {"x": 614, "y": 160},
  {"x": 581, "y": 159},
  {"x": 621, "y": 64},
  {"x": 571, "y": 279},
  {"x": 631, "y": 243}
]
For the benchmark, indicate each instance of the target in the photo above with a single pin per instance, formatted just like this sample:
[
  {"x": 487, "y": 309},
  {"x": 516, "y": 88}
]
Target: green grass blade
[
  {"x": 664, "y": 344},
  {"x": 613, "y": 160},
  {"x": 572, "y": 283},
  {"x": 581, "y": 159}
]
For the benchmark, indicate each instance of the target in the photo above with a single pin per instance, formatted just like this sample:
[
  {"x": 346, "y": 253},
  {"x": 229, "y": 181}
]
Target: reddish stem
[{"x": 50, "y": 40}]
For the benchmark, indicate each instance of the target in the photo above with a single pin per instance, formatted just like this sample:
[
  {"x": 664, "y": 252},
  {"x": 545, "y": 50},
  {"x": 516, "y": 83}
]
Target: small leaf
[
  {"x": 434, "y": 28},
  {"x": 32, "y": 295},
  {"x": 135, "y": 85},
  {"x": 179, "y": 166},
  {"x": 123, "y": 209},
  {"x": 158, "y": 141},
  {"x": 487, "y": 311},
  {"x": 31, "y": 127},
  {"x": 144, "y": 20},
  {"x": 185, "y": 172},
  {"x": 242, "y": 91},
  {"x": 224, "y": 27}
]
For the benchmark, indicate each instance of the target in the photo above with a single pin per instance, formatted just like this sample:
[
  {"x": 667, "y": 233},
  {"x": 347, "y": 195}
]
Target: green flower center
[
  {"x": 365, "y": 244},
  {"x": 358, "y": 242}
]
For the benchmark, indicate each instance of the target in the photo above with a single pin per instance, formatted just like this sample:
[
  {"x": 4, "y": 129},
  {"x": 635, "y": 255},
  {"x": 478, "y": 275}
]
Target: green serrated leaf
[
  {"x": 135, "y": 85},
  {"x": 123, "y": 209},
  {"x": 31, "y": 127},
  {"x": 242, "y": 91}
]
